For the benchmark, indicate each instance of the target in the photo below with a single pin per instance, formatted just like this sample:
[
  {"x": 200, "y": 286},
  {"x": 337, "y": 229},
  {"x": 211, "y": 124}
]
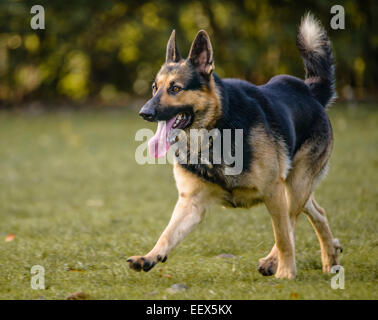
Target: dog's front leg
[{"x": 187, "y": 214}]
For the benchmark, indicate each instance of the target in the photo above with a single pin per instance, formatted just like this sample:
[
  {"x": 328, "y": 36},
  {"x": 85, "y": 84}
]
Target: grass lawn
[{"x": 78, "y": 204}]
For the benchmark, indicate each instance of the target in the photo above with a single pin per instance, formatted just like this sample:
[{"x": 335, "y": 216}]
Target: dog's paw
[
  {"x": 139, "y": 263},
  {"x": 330, "y": 259},
  {"x": 285, "y": 273},
  {"x": 268, "y": 267},
  {"x": 337, "y": 246}
]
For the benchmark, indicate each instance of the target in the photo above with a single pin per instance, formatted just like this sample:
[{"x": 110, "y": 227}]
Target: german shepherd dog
[{"x": 287, "y": 142}]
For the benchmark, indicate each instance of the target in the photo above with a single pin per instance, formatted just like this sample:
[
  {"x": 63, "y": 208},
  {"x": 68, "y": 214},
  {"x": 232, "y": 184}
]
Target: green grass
[{"x": 75, "y": 198}]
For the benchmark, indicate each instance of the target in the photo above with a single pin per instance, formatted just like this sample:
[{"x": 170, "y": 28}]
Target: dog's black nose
[
  {"x": 147, "y": 116},
  {"x": 147, "y": 113}
]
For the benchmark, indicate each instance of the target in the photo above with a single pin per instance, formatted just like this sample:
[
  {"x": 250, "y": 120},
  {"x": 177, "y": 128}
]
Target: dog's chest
[
  {"x": 242, "y": 198},
  {"x": 211, "y": 173},
  {"x": 236, "y": 193}
]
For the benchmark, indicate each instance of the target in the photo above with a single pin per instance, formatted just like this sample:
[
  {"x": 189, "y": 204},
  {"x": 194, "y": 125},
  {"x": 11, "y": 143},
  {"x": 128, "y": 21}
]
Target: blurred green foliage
[{"x": 110, "y": 50}]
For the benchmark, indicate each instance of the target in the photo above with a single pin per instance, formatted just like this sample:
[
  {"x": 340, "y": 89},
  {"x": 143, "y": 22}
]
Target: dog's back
[
  {"x": 291, "y": 108},
  {"x": 301, "y": 113}
]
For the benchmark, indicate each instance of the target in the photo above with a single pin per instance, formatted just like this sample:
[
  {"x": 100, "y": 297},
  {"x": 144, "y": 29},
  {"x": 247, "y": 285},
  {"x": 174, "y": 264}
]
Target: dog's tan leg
[
  {"x": 277, "y": 204},
  {"x": 329, "y": 246},
  {"x": 268, "y": 265},
  {"x": 187, "y": 214},
  {"x": 299, "y": 184},
  {"x": 194, "y": 198}
]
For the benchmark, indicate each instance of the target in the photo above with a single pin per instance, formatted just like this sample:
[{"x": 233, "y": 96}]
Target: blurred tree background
[{"x": 109, "y": 51}]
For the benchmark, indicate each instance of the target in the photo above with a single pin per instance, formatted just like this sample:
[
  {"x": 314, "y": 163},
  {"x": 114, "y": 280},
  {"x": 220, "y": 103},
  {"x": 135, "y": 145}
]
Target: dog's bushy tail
[{"x": 316, "y": 51}]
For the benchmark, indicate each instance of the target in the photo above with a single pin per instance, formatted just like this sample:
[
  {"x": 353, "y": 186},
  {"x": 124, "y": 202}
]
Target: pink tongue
[{"x": 158, "y": 145}]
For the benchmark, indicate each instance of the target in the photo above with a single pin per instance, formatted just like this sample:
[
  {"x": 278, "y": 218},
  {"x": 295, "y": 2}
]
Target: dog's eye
[{"x": 176, "y": 89}]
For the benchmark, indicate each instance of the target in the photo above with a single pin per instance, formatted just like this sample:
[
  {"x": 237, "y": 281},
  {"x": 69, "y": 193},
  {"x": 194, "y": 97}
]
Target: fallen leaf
[
  {"x": 79, "y": 295},
  {"x": 77, "y": 267},
  {"x": 167, "y": 275},
  {"x": 10, "y": 237},
  {"x": 294, "y": 295}
]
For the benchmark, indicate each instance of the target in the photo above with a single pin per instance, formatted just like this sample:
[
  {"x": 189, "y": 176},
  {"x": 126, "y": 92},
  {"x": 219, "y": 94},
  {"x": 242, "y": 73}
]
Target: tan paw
[
  {"x": 268, "y": 266},
  {"x": 145, "y": 263},
  {"x": 285, "y": 273}
]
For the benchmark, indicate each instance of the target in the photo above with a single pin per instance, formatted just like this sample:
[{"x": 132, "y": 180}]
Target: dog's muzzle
[{"x": 148, "y": 112}]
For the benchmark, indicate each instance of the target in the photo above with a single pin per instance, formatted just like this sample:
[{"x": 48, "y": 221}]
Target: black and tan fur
[{"x": 287, "y": 140}]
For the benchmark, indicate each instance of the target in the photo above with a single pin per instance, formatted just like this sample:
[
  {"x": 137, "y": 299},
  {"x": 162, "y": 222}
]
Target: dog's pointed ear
[
  {"x": 201, "y": 53},
  {"x": 172, "y": 54}
]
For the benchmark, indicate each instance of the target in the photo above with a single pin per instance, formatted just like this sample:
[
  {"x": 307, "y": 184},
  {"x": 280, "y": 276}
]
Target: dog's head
[{"x": 184, "y": 92}]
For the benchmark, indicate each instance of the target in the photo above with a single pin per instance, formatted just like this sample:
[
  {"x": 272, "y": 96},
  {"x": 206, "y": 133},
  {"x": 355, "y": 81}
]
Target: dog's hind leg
[
  {"x": 268, "y": 265},
  {"x": 298, "y": 187},
  {"x": 277, "y": 205},
  {"x": 329, "y": 246}
]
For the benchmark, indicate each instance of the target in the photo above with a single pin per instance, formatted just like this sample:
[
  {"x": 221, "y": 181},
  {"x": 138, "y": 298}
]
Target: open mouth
[
  {"x": 182, "y": 120},
  {"x": 166, "y": 134}
]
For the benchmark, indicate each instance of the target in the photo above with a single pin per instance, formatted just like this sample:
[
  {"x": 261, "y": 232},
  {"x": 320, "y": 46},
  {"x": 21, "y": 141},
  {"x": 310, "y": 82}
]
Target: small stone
[
  {"x": 177, "y": 287},
  {"x": 226, "y": 256},
  {"x": 95, "y": 202}
]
